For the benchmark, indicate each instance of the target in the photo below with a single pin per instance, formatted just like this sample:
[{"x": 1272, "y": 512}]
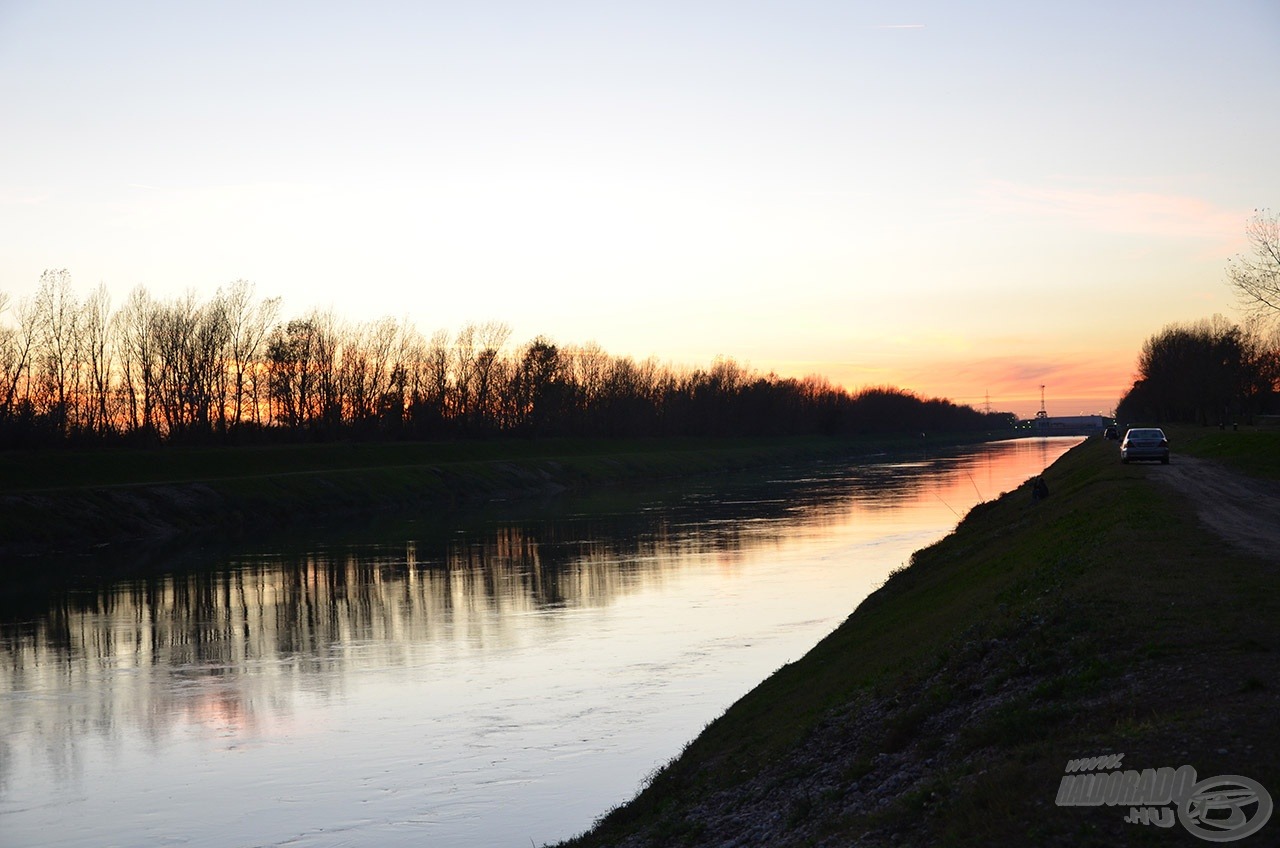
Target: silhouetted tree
[
  {"x": 291, "y": 365},
  {"x": 139, "y": 362},
  {"x": 588, "y": 366},
  {"x": 191, "y": 342},
  {"x": 57, "y": 348},
  {"x": 15, "y": 354},
  {"x": 1206, "y": 372},
  {"x": 97, "y": 329},
  {"x": 248, "y": 324},
  {"x": 189, "y": 369},
  {"x": 541, "y": 394},
  {"x": 490, "y": 375},
  {"x": 429, "y": 405}
]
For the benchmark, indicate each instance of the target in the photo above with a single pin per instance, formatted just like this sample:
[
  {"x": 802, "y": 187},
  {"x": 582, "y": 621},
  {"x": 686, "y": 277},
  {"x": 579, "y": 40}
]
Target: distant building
[{"x": 1064, "y": 425}]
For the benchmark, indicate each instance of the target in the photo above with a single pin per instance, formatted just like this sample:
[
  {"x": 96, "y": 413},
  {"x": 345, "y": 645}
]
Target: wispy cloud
[
  {"x": 1118, "y": 211},
  {"x": 1027, "y": 373}
]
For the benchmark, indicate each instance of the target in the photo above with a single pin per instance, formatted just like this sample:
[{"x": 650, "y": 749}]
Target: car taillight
[{"x": 1164, "y": 443}]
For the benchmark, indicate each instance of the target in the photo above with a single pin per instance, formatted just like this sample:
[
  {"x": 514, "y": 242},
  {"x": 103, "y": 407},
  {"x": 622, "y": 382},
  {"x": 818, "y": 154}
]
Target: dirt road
[{"x": 1243, "y": 510}]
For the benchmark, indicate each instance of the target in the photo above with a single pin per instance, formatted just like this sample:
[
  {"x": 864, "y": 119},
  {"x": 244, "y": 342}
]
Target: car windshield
[{"x": 1146, "y": 434}]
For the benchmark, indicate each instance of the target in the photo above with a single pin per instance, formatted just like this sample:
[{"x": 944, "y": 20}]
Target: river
[{"x": 499, "y": 677}]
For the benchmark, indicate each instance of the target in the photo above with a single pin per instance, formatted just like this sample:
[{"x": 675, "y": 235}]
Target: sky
[{"x": 968, "y": 200}]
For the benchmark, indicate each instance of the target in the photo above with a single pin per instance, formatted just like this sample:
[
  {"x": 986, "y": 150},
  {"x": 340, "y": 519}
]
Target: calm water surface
[{"x": 501, "y": 679}]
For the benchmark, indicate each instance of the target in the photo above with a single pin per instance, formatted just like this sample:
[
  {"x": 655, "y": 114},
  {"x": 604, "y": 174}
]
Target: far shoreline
[{"x": 87, "y": 501}]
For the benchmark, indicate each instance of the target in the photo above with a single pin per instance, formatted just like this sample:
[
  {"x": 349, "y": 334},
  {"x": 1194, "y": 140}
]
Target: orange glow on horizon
[{"x": 1075, "y": 385}]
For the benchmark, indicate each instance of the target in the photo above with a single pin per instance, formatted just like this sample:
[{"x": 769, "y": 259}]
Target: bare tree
[
  {"x": 97, "y": 340},
  {"x": 464, "y": 365},
  {"x": 258, "y": 386},
  {"x": 58, "y": 345},
  {"x": 174, "y": 328},
  {"x": 212, "y": 348},
  {"x": 290, "y": 354},
  {"x": 328, "y": 339},
  {"x": 489, "y": 369},
  {"x": 590, "y": 364},
  {"x": 288, "y": 364},
  {"x": 407, "y": 377},
  {"x": 248, "y": 324},
  {"x": 186, "y": 367},
  {"x": 367, "y": 367},
  {"x": 139, "y": 357},
  {"x": 301, "y": 362},
  {"x": 191, "y": 343},
  {"x": 435, "y": 379},
  {"x": 1256, "y": 276},
  {"x": 15, "y": 353}
]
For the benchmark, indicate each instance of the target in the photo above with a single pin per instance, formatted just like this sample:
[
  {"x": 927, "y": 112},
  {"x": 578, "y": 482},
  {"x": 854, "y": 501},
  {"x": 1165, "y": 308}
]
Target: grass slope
[{"x": 943, "y": 711}]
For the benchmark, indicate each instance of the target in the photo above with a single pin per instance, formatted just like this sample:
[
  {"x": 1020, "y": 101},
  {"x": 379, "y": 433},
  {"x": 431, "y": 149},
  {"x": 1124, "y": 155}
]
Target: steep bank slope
[{"x": 1103, "y": 620}]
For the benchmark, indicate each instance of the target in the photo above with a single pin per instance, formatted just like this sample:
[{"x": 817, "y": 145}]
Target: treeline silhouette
[
  {"x": 77, "y": 371},
  {"x": 1209, "y": 372}
]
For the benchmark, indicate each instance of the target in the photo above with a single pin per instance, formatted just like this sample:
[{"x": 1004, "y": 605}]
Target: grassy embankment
[
  {"x": 1250, "y": 450},
  {"x": 1104, "y": 619},
  {"x": 72, "y": 499}
]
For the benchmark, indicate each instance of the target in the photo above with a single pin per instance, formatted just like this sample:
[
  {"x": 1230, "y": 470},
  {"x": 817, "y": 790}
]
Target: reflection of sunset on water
[{"x": 222, "y": 713}]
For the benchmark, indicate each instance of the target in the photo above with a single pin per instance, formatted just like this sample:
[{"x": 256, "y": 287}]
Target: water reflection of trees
[
  {"x": 309, "y": 603},
  {"x": 232, "y": 646}
]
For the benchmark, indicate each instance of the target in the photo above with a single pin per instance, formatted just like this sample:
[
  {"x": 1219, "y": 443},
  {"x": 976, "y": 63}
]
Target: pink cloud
[{"x": 1119, "y": 211}]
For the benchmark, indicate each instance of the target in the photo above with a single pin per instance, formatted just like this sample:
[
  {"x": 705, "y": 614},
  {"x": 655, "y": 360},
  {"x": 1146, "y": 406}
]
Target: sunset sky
[{"x": 957, "y": 198}]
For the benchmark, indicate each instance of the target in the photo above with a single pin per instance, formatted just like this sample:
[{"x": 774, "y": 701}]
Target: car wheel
[{"x": 1164, "y": 460}]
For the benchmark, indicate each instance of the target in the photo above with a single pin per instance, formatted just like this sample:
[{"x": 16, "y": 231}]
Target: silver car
[{"x": 1144, "y": 443}]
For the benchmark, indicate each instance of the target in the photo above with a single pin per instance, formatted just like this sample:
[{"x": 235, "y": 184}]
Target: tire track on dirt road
[{"x": 1242, "y": 510}]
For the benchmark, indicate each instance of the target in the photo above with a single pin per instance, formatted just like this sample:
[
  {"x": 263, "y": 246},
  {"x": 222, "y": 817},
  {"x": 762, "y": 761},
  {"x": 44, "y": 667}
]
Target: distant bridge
[{"x": 1064, "y": 425}]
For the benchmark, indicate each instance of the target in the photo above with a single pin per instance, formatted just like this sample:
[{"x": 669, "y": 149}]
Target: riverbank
[
  {"x": 65, "y": 501},
  {"x": 1103, "y": 620}
]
